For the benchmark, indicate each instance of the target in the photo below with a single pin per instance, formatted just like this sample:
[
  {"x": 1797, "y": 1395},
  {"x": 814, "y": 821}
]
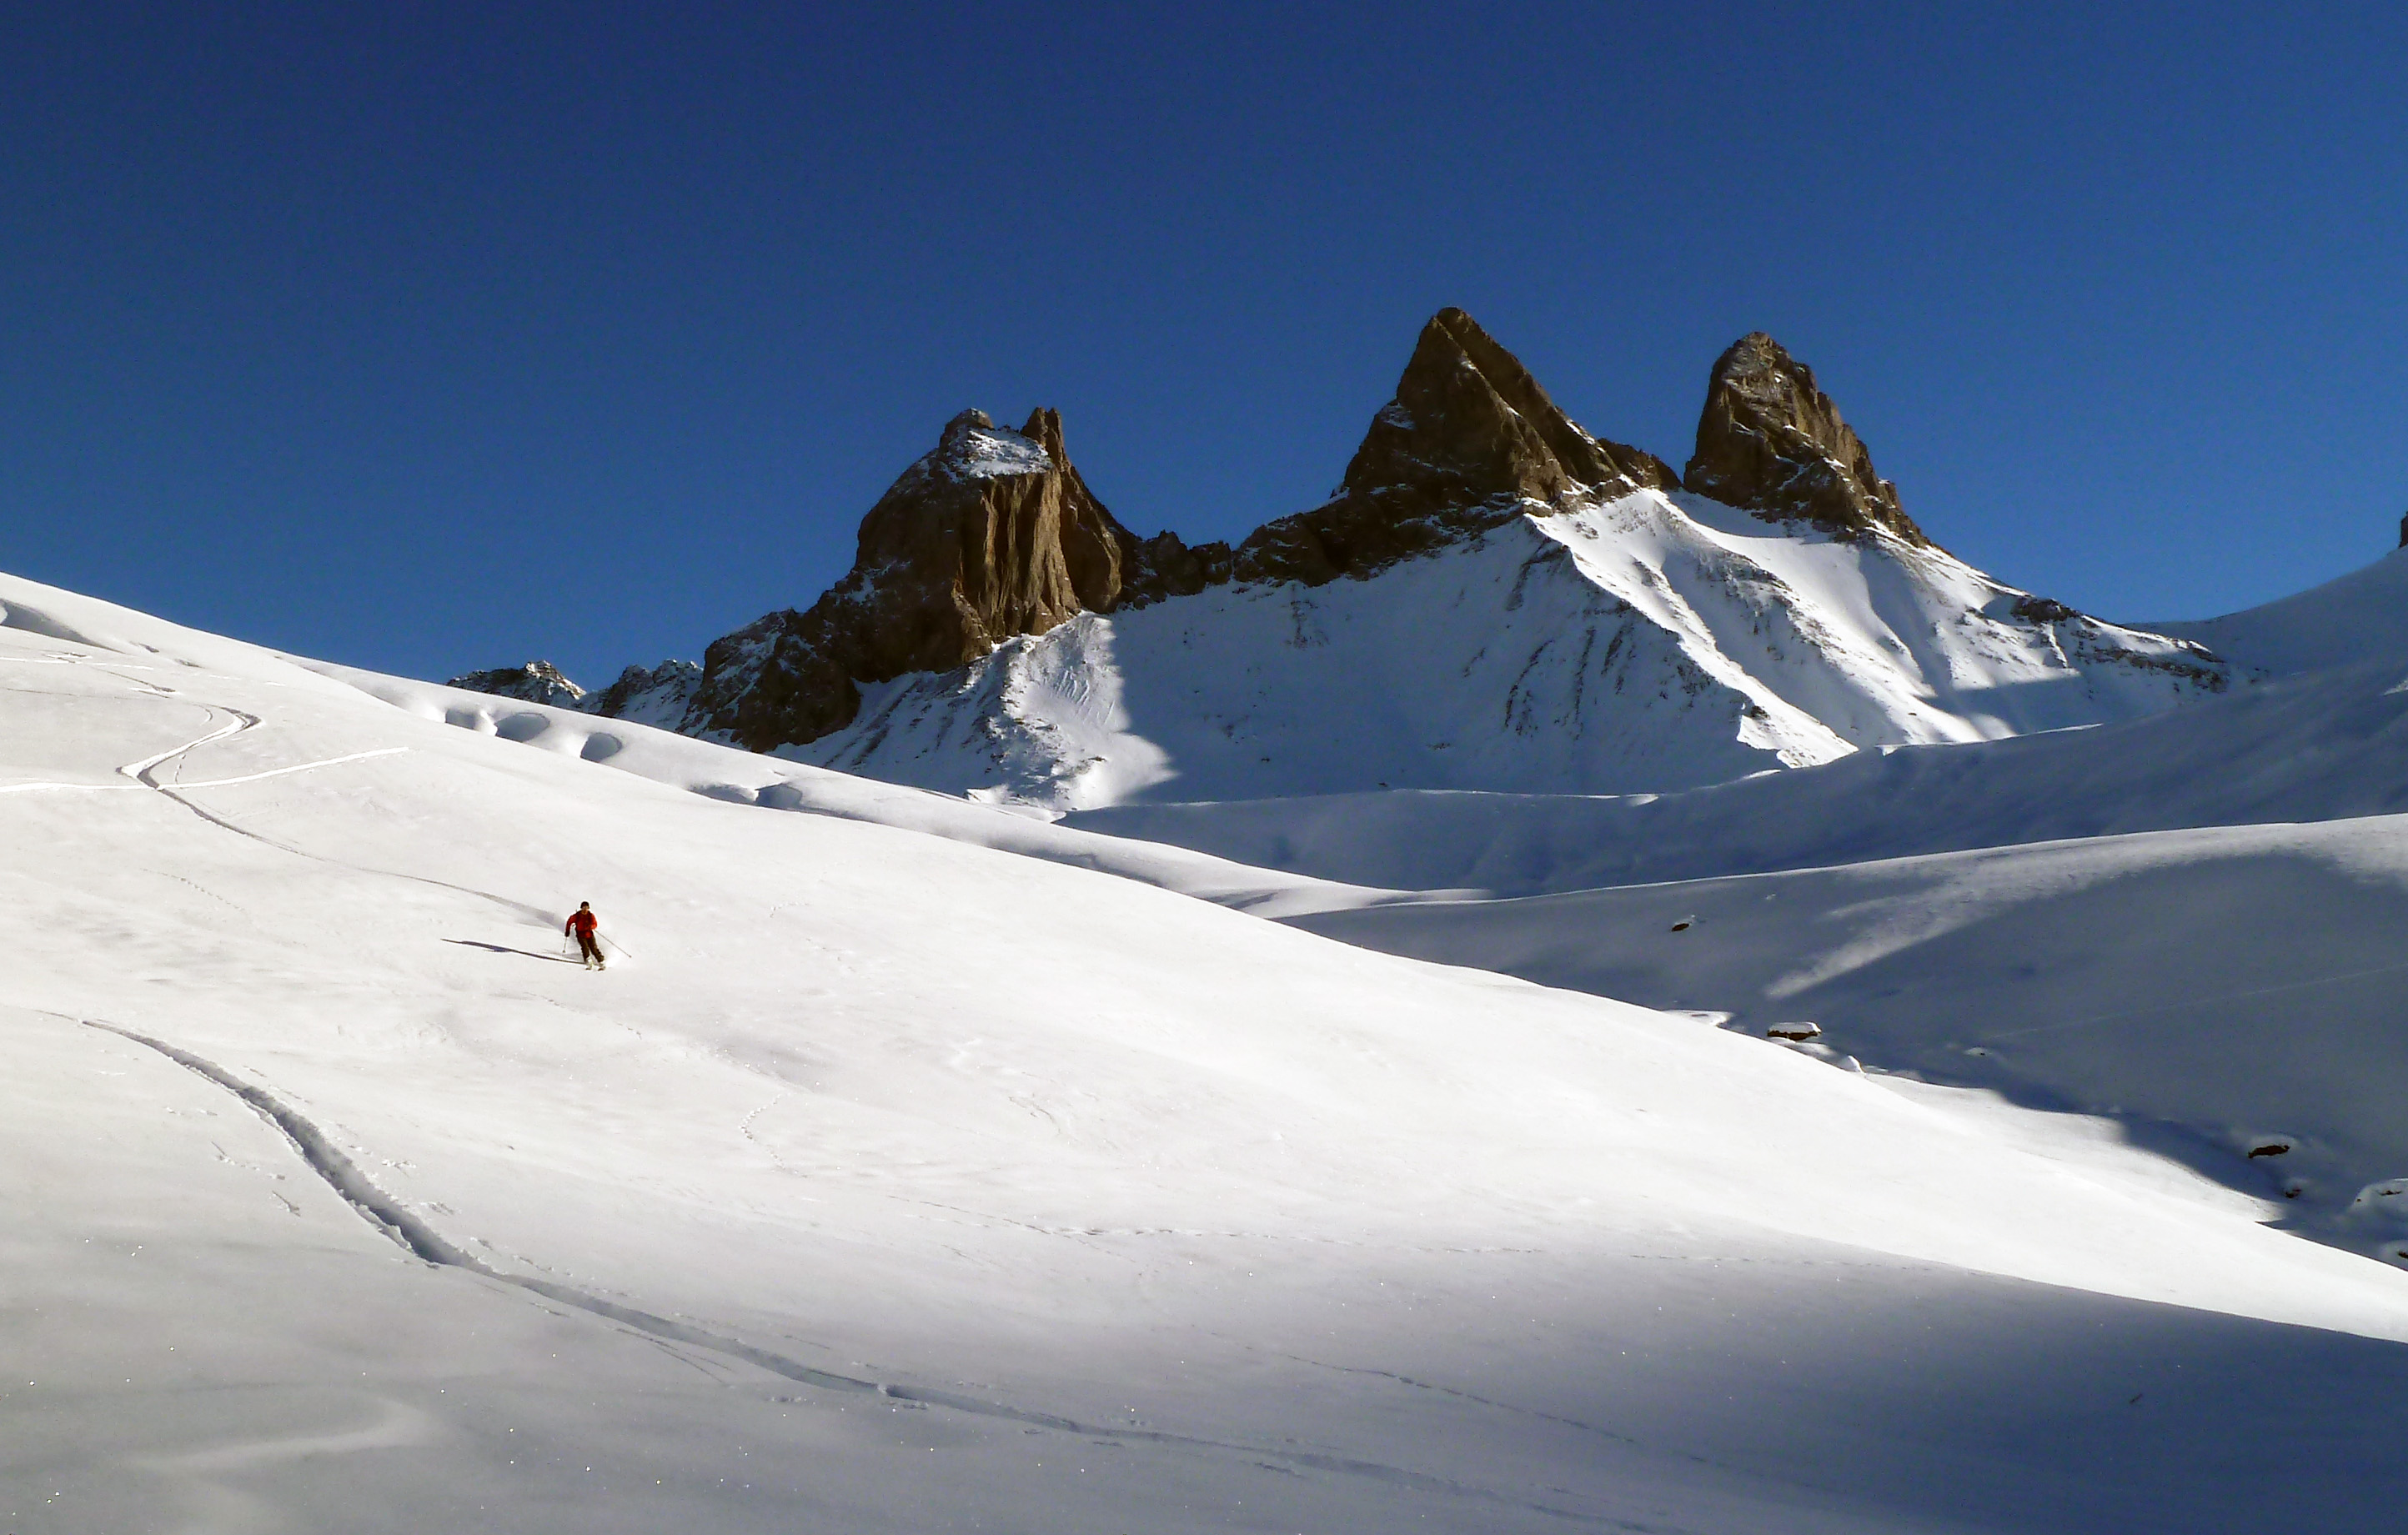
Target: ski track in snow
[
  {"x": 142, "y": 772},
  {"x": 421, "y": 1241},
  {"x": 1478, "y": 1401},
  {"x": 145, "y": 774}
]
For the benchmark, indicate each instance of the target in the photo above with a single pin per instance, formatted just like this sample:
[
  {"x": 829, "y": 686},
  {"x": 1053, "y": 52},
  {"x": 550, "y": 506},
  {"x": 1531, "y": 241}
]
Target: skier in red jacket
[{"x": 582, "y": 922}]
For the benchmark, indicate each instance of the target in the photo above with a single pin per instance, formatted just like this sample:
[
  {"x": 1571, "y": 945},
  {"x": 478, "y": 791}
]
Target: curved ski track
[
  {"x": 421, "y": 1241},
  {"x": 145, "y": 774}
]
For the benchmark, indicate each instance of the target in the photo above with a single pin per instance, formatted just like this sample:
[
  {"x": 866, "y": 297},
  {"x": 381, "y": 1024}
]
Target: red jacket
[{"x": 583, "y": 922}]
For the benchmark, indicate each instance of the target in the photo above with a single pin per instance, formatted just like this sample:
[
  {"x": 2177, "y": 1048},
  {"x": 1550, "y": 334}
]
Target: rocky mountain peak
[
  {"x": 973, "y": 447},
  {"x": 1470, "y": 439},
  {"x": 991, "y": 533},
  {"x": 537, "y": 682},
  {"x": 1772, "y": 442},
  {"x": 994, "y": 533},
  {"x": 648, "y": 695},
  {"x": 1469, "y": 422},
  {"x": 966, "y": 548}
]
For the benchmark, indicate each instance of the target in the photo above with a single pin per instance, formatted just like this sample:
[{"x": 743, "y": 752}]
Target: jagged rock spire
[
  {"x": 535, "y": 683},
  {"x": 991, "y": 533},
  {"x": 1470, "y": 423},
  {"x": 1773, "y": 443},
  {"x": 966, "y": 548},
  {"x": 1467, "y": 441}
]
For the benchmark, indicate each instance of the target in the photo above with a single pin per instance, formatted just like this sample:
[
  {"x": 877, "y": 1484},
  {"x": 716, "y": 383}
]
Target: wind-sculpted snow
[
  {"x": 1141, "y": 1212},
  {"x": 1646, "y": 643}
]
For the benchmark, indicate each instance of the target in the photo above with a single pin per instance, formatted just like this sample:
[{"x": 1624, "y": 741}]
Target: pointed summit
[
  {"x": 537, "y": 682},
  {"x": 1469, "y": 422},
  {"x": 991, "y": 533},
  {"x": 1773, "y": 443},
  {"x": 1468, "y": 442}
]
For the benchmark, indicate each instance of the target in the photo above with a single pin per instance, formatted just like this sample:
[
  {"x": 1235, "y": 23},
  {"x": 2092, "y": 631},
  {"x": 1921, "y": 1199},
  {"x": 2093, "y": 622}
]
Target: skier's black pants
[{"x": 588, "y": 947}]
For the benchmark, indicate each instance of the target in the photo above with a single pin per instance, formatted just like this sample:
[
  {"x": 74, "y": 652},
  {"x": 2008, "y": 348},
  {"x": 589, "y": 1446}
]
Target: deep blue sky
[{"x": 429, "y": 337}]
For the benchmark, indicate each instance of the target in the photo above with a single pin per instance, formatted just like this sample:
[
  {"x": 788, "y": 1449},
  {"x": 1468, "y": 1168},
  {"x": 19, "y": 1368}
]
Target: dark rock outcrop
[
  {"x": 1773, "y": 443},
  {"x": 1162, "y": 567},
  {"x": 1469, "y": 441},
  {"x": 992, "y": 535},
  {"x": 2033, "y": 609},
  {"x": 537, "y": 682},
  {"x": 658, "y": 696}
]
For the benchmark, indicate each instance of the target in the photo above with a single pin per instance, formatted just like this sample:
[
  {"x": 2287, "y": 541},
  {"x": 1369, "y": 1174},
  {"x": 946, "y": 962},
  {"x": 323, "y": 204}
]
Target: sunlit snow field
[{"x": 893, "y": 1179}]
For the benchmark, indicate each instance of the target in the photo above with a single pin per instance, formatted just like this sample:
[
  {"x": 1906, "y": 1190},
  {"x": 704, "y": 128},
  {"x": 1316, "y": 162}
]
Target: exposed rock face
[
  {"x": 537, "y": 682},
  {"x": 1163, "y": 567},
  {"x": 659, "y": 696},
  {"x": 994, "y": 533},
  {"x": 1773, "y": 443},
  {"x": 1469, "y": 438}
]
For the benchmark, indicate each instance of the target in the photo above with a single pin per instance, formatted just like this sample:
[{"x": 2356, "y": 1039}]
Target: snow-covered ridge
[
  {"x": 657, "y": 696},
  {"x": 535, "y": 683},
  {"x": 1648, "y": 642},
  {"x": 2348, "y": 621}
]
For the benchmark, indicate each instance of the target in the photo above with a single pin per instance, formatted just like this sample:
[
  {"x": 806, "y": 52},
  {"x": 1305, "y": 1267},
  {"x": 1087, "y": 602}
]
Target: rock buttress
[
  {"x": 1469, "y": 441},
  {"x": 1773, "y": 443},
  {"x": 994, "y": 533}
]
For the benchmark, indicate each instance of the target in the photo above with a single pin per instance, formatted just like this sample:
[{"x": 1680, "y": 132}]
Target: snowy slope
[
  {"x": 896, "y": 1183},
  {"x": 2353, "y": 619},
  {"x": 2321, "y": 747},
  {"x": 742, "y": 778},
  {"x": 2212, "y": 992},
  {"x": 1646, "y": 643}
]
